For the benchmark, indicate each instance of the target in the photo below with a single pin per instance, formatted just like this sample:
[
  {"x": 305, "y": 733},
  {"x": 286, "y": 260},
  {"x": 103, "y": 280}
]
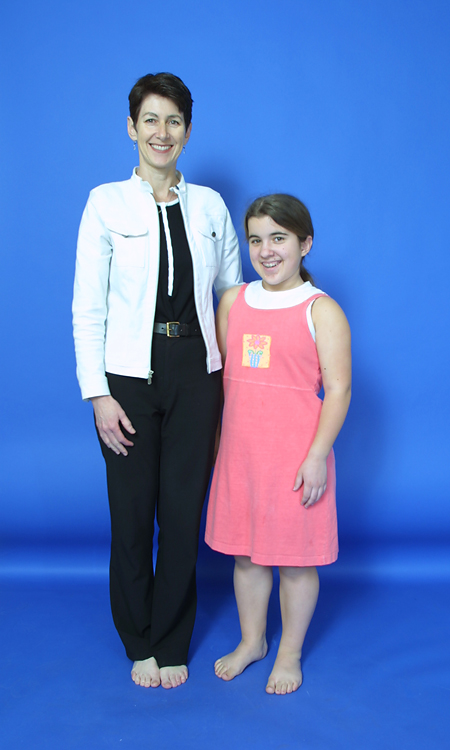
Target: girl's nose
[{"x": 267, "y": 249}]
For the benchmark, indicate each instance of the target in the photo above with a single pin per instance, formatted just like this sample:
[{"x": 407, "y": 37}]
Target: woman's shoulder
[
  {"x": 118, "y": 205},
  {"x": 205, "y": 197},
  {"x": 111, "y": 189}
]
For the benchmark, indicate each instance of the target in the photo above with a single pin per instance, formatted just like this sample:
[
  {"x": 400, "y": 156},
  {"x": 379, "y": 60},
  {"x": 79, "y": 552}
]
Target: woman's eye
[
  {"x": 174, "y": 122},
  {"x": 150, "y": 120}
]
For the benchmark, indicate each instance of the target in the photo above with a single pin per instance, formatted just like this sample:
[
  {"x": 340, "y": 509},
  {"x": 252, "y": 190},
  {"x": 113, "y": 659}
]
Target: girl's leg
[
  {"x": 299, "y": 589},
  {"x": 252, "y": 587}
]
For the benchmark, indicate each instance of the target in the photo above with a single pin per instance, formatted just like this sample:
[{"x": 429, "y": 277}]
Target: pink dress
[{"x": 271, "y": 381}]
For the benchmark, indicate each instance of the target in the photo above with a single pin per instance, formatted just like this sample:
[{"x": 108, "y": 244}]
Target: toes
[
  {"x": 172, "y": 679},
  {"x": 219, "y": 668}
]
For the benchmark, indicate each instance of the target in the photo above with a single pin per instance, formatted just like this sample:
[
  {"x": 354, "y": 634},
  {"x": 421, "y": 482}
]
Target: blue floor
[{"x": 376, "y": 662}]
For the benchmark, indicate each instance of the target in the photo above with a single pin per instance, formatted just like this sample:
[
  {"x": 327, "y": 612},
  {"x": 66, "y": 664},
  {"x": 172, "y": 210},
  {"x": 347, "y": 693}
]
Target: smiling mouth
[
  {"x": 161, "y": 149},
  {"x": 271, "y": 263}
]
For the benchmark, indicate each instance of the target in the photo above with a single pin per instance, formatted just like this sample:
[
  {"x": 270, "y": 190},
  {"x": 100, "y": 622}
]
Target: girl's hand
[
  {"x": 312, "y": 474},
  {"x": 109, "y": 415}
]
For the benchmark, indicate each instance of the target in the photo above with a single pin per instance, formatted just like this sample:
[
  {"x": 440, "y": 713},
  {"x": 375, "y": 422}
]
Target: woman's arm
[
  {"x": 89, "y": 320},
  {"x": 230, "y": 270},
  {"x": 333, "y": 349},
  {"x": 109, "y": 415},
  {"x": 94, "y": 251}
]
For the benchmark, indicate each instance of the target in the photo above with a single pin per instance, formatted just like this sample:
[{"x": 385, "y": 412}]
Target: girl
[{"x": 272, "y": 499}]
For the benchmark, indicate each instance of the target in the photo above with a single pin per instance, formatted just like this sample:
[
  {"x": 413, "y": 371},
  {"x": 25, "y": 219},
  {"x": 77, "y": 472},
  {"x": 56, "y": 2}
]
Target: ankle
[{"x": 254, "y": 642}]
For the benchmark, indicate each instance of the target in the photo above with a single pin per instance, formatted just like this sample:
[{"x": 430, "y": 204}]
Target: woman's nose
[{"x": 162, "y": 130}]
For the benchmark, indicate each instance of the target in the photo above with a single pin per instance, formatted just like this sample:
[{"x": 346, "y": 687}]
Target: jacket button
[{"x": 213, "y": 234}]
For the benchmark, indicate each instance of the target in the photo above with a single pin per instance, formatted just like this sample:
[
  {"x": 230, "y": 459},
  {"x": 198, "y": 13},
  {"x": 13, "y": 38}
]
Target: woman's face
[
  {"x": 276, "y": 253},
  {"x": 160, "y": 134}
]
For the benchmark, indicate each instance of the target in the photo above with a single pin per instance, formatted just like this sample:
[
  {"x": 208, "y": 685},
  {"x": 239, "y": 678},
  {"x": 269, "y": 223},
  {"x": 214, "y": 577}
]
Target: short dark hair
[
  {"x": 161, "y": 84},
  {"x": 287, "y": 211}
]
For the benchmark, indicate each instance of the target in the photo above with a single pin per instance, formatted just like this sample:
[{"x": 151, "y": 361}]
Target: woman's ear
[
  {"x": 188, "y": 133},
  {"x": 306, "y": 245},
  {"x": 132, "y": 132}
]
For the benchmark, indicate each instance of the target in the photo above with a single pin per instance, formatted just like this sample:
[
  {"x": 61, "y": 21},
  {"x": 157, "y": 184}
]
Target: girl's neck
[
  {"x": 160, "y": 181},
  {"x": 282, "y": 287}
]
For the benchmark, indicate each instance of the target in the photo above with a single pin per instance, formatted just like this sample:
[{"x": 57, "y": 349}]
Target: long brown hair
[{"x": 287, "y": 211}]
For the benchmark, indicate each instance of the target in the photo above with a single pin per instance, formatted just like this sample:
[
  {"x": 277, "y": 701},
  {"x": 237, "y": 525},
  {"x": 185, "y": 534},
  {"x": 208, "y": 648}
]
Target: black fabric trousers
[{"x": 167, "y": 469}]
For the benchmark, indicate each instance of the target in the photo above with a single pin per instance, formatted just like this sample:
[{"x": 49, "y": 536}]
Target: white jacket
[{"x": 117, "y": 271}]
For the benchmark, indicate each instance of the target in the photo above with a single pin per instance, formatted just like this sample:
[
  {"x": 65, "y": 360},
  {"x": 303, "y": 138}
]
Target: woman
[{"x": 149, "y": 251}]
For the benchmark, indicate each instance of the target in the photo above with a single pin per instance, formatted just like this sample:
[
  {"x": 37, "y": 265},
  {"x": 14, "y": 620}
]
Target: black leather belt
[{"x": 174, "y": 329}]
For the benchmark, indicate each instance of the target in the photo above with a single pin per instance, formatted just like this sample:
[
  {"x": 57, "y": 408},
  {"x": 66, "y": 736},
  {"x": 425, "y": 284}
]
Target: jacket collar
[{"x": 180, "y": 187}]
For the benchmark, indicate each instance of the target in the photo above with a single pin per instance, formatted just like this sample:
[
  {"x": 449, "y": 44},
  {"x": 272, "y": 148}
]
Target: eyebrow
[
  {"x": 272, "y": 234},
  {"x": 153, "y": 114}
]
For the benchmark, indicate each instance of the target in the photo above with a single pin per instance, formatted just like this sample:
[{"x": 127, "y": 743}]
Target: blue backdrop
[{"x": 342, "y": 103}]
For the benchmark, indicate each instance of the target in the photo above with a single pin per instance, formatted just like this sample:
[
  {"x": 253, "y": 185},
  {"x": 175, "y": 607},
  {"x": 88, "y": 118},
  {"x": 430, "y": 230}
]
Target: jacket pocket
[
  {"x": 129, "y": 244},
  {"x": 209, "y": 233}
]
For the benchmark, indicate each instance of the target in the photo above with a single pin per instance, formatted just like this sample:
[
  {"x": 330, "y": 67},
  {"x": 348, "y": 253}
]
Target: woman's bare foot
[
  {"x": 229, "y": 666},
  {"x": 286, "y": 676},
  {"x": 173, "y": 676},
  {"x": 146, "y": 673}
]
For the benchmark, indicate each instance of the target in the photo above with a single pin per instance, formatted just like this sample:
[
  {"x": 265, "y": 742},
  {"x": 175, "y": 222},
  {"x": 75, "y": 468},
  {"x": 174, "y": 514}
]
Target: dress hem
[{"x": 293, "y": 561}]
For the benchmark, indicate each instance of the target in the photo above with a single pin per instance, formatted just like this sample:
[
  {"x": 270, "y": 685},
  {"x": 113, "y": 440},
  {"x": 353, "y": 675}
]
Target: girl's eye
[
  {"x": 278, "y": 239},
  {"x": 255, "y": 241}
]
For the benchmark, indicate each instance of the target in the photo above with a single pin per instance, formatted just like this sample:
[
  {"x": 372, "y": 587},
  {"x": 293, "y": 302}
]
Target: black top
[{"x": 180, "y": 304}]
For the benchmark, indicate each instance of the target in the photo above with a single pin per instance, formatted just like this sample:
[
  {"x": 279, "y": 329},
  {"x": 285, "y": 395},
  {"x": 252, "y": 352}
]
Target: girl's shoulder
[
  {"x": 326, "y": 311},
  {"x": 229, "y": 297},
  {"x": 259, "y": 298}
]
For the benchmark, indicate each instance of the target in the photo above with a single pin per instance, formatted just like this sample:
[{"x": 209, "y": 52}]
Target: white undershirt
[{"x": 259, "y": 298}]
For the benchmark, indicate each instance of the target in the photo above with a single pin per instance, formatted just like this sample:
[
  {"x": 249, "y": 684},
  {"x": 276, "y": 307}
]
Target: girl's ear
[
  {"x": 132, "y": 132},
  {"x": 306, "y": 246}
]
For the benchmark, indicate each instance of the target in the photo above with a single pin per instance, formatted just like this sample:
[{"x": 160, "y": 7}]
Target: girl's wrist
[{"x": 316, "y": 454}]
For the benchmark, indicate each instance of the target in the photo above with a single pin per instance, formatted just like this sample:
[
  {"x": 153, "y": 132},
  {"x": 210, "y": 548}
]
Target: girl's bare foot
[
  {"x": 286, "y": 676},
  {"x": 146, "y": 673},
  {"x": 231, "y": 665},
  {"x": 173, "y": 676}
]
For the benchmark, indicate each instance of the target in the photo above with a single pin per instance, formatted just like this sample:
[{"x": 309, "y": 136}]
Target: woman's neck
[{"x": 160, "y": 181}]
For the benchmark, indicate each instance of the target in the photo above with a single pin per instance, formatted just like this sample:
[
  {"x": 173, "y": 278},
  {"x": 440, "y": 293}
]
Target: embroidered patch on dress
[{"x": 255, "y": 350}]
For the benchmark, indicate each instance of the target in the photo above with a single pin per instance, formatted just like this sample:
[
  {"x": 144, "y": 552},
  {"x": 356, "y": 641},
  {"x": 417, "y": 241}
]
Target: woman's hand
[
  {"x": 108, "y": 417},
  {"x": 312, "y": 474}
]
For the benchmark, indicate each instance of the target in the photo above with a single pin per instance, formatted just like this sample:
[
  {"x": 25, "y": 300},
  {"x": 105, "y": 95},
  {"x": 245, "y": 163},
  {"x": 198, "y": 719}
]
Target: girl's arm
[
  {"x": 333, "y": 348},
  {"x": 223, "y": 310}
]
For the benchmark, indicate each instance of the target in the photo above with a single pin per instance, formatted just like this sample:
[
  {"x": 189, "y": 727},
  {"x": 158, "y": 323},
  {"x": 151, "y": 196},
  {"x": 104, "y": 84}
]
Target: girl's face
[
  {"x": 160, "y": 134},
  {"x": 276, "y": 254}
]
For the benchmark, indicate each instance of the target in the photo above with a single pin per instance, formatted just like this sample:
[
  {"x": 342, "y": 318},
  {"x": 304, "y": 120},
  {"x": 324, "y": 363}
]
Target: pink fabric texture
[{"x": 271, "y": 381}]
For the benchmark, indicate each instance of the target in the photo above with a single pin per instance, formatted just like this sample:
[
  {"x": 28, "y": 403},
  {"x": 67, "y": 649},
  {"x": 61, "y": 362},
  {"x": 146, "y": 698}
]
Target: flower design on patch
[
  {"x": 256, "y": 350},
  {"x": 258, "y": 342}
]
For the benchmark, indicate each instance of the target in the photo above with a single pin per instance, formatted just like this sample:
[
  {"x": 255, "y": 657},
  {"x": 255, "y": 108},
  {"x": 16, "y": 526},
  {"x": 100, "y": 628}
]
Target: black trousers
[{"x": 167, "y": 469}]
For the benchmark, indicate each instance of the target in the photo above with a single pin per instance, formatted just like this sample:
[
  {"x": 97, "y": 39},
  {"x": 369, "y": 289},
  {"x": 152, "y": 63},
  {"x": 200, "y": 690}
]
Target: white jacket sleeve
[
  {"x": 230, "y": 270},
  {"x": 90, "y": 302}
]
